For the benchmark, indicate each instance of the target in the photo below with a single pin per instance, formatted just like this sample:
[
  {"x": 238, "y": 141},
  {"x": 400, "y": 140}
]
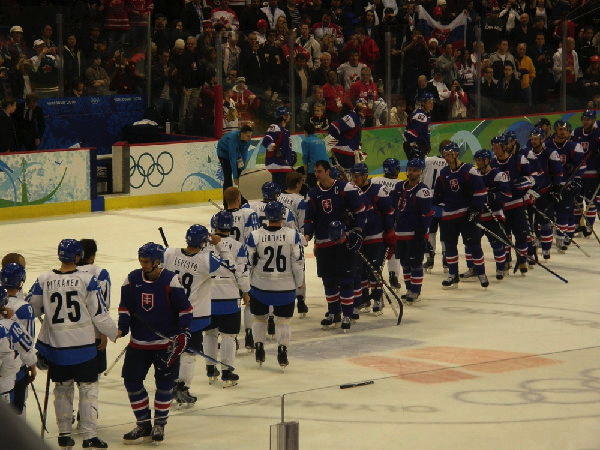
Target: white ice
[{"x": 516, "y": 366}]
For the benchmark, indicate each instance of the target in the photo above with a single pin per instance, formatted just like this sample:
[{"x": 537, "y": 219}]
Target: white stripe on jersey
[{"x": 433, "y": 167}]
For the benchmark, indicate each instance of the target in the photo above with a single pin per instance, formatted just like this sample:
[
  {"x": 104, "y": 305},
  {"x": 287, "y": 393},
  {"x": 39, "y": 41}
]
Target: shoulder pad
[{"x": 273, "y": 128}]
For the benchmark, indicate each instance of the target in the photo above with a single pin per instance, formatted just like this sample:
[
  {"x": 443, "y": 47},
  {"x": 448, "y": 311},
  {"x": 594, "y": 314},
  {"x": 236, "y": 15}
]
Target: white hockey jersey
[
  {"x": 73, "y": 307},
  {"x": 297, "y": 205},
  {"x": 277, "y": 259},
  {"x": 245, "y": 221},
  {"x": 259, "y": 206},
  {"x": 195, "y": 274},
  {"x": 23, "y": 313},
  {"x": 16, "y": 349},
  {"x": 433, "y": 167},
  {"x": 103, "y": 280},
  {"x": 388, "y": 183}
]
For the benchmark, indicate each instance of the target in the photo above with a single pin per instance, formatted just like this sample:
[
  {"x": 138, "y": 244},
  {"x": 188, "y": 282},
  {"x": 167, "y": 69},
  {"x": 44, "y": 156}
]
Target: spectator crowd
[{"x": 336, "y": 49}]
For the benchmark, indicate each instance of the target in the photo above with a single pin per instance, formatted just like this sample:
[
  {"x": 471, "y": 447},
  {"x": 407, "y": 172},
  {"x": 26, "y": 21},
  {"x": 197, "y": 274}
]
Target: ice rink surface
[{"x": 516, "y": 366}]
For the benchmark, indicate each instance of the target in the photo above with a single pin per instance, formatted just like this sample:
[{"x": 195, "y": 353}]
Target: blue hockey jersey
[
  {"x": 340, "y": 202},
  {"x": 499, "y": 192},
  {"x": 458, "y": 190},
  {"x": 590, "y": 144},
  {"x": 571, "y": 157},
  {"x": 280, "y": 156},
  {"x": 347, "y": 132},
  {"x": 379, "y": 214},
  {"x": 549, "y": 169},
  {"x": 417, "y": 130},
  {"x": 413, "y": 209},
  {"x": 160, "y": 304}
]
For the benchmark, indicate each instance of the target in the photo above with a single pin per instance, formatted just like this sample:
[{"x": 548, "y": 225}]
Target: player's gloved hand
[
  {"x": 178, "y": 345},
  {"x": 472, "y": 215},
  {"x": 389, "y": 237},
  {"x": 355, "y": 239},
  {"x": 42, "y": 363},
  {"x": 574, "y": 186}
]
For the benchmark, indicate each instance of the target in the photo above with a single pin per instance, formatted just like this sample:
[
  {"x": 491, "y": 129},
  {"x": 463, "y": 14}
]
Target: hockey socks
[
  {"x": 162, "y": 401},
  {"x": 138, "y": 397},
  {"x": 259, "y": 328},
  {"x": 283, "y": 330}
]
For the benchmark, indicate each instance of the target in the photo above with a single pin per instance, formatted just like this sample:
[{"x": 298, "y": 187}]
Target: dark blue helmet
[
  {"x": 360, "y": 103},
  {"x": 510, "y": 134},
  {"x": 270, "y": 191},
  {"x": 12, "y": 276},
  {"x": 360, "y": 169},
  {"x": 451, "y": 147},
  {"x": 69, "y": 249},
  {"x": 336, "y": 230},
  {"x": 416, "y": 163},
  {"x": 537, "y": 131},
  {"x": 196, "y": 235},
  {"x": 274, "y": 211},
  {"x": 425, "y": 96},
  {"x": 562, "y": 124},
  {"x": 281, "y": 111},
  {"x": 542, "y": 122},
  {"x": 499, "y": 140},
  {"x": 223, "y": 221},
  {"x": 391, "y": 166},
  {"x": 589, "y": 114},
  {"x": 153, "y": 251},
  {"x": 3, "y": 297},
  {"x": 483, "y": 154}
]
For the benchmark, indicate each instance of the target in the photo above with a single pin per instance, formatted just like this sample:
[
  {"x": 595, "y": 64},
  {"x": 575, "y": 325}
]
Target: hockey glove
[
  {"x": 472, "y": 215},
  {"x": 177, "y": 347},
  {"x": 574, "y": 186},
  {"x": 389, "y": 238},
  {"x": 355, "y": 240},
  {"x": 42, "y": 363}
]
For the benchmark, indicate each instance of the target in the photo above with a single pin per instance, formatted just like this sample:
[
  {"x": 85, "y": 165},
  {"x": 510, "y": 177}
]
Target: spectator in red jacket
[
  {"x": 116, "y": 22},
  {"x": 366, "y": 89},
  {"x": 365, "y": 46},
  {"x": 334, "y": 95}
]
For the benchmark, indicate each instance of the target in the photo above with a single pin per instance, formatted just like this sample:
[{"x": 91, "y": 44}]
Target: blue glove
[{"x": 355, "y": 239}]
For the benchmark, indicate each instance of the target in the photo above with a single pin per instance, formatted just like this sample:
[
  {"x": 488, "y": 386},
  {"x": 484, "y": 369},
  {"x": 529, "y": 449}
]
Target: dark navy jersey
[
  {"x": 549, "y": 169},
  {"x": 517, "y": 169},
  {"x": 161, "y": 305},
  {"x": 571, "y": 157},
  {"x": 499, "y": 192},
  {"x": 340, "y": 202},
  {"x": 458, "y": 190},
  {"x": 347, "y": 132},
  {"x": 279, "y": 150},
  {"x": 417, "y": 130},
  {"x": 590, "y": 144},
  {"x": 378, "y": 212},
  {"x": 413, "y": 210}
]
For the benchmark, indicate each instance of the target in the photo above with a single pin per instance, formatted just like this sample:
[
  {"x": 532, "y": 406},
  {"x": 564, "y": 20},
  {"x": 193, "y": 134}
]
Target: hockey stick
[
  {"x": 215, "y": 204},
  {"x": 46, "y": 396},
  {"x": 491, "y": 233},
  {"x": 39, "y": 406},
  {"x": 191, "y": 350},
  {"x": 378, "y": 275},
  {"x": 574, "y": 173},
  {"x": 114, "y": 363},
  {"x": 555, "y": 226},
  {"x": 590, "y": 201}
]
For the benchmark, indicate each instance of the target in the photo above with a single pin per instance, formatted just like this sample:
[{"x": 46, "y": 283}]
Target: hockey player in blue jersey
[
  {"x": 329, "y": 201},
  {"x": 346, "y": 132},
  {"x": 518, "y": 170},
  {"x": 499, "y": 192},
  {"x": 73, "y": 309},
  {"x": 588, "y": 136},
  {"x": 280, "y": 157},
  {"x": 152, "y": 299},
  {"x": 412, "y": 202},
  {"x": 378, "y": 233},
  {"x": 416, "y": 135},
  {"x": 12, "y": 278},
  {"x": 547, "y": 182},
  {"x": 461, "y": 191},
  {"x": 571, "y": 155}
]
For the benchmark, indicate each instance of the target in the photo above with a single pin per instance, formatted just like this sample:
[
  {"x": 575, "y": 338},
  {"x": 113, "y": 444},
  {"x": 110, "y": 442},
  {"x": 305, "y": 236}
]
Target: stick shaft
[
  {"x": 573, "y": 241},
  {"x": 114, "y": 363}
]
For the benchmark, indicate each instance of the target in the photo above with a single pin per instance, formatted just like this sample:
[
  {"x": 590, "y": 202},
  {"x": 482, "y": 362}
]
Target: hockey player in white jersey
[
  {"x": 245, "y": 221},
  {"x": 16, "y": 349},
  {"x": 433, "y": 167},
  {"x": 12, "y": 278},
  {"x": 87, "y": 264},
  {"x": 270, "y": 193},
  {"x": 195, "y": 266},
  {"x": 227, "y": 287},
  {"x": 296, "y": 203},
  {"x": 73, "y": 308},
  {"x": 391, "y": 170},
  {"x": 277, "y": 258}
]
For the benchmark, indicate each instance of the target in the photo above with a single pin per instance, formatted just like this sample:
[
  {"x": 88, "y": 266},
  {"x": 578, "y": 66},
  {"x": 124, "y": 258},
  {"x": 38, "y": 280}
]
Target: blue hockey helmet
[
  {"x": 589, "y": 114},
  {"x": 562, "y": 124},
  {"x": 12, "y": 276},
  {"x": 537, "y": 131},
  {"x": 450, "y": 147},
  {"x": 274, "y": 211},
  {"x": 416, "y": 163},
  {"x": 270, "y": 191},
  {"x": 196, "y": 235},
  {"x": 153, "y": 251},
  {"x": 360, "y": 103},
  {"x": 69, "y": 249},
  {"x": 510, "y": 134},
  {"x": 336, "y": 230},
  {"x": 359, "y": 169},
  {"x": 3, "y": 297},
  {"x": 391, "y": 166},
  {"x": 543, "y": 122},
  {"x": 223, "y": 221},
  {"x": 281, "y": 111},
  {"x": 483, "y": 154},
  {"x": 425, "y": 96},
  {"x": 499, "y": 140}
]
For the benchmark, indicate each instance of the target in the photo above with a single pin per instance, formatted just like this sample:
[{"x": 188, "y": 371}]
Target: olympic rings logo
[{"x": 149, "y": 169}]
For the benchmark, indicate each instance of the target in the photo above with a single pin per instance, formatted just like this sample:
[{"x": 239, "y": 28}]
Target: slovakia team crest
[
  {"x": 147, "y": 301},
  {"x": 327, "y": 205},
  {"x": 454, "y": 184}
]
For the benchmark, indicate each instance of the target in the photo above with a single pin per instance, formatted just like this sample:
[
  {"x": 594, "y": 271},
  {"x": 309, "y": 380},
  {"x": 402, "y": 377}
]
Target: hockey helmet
[
  {"x": 416, "y": 163},
  {"x": 391, "y": 166},
  {"x": 196, "y": 235},
  {"x": 543, "y": 122},
  {"x": 483, "y": 153},
  {"x": 562, "y": 124},
  {"x": 537, "y": 131},
  {"x": 12, "y": 276},
  {"x": 153, "y": 251},
  {"x": 274, "y": 211},
  {"x": 425, "y": 96},
  {"x": 499, "y": 140},
  {"x": 68, "y": 250},
  {"x": 589, "y": 114},
  {"x": 281, "y": 111},
  {"x": 223, "y": 221},
  {"x": 450, "y": 147},
  {"x": 510, "y": 134},
  {"x": 3, "y": 297},
  {"x": 359, "y": 169},
  {"x": 270, "y": 191},
  {"x": 336, "y": 230}
]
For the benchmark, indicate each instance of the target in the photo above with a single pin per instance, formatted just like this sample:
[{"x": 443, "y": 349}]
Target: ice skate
[
  {"x": 378, "y": 307},
  {"x": 212, "y": 373},
  {"x": 259, "y": 353},
  {"x": 451, "y": 282},
  {"x": 282, "y": 358},
  {"x": 302, "y": 308},
  {"x": 428, "y": 264},
  {"x": 94, "y": 442},
  {"x": 271, "y": 328},
  {"x": 500, "y": 274},
  {"x": 355, "y": 315},
  {"x": 158, "y": 433},
  {"x": 444, "y": 262},
  {"x": 182, "y": 395},
  {"x": 546, "y": 254},
  {"x": 410, "y": 297},
  {"x": 66, "y": 442},
  {"x": 331, "y": 320},
  {"x": 394, "y": 281},
  {"x": 587, "y": 231},
  {"x": 229, "y": 379},
  {"x": 483, "y": 280},
  {"x": 249, "y": 340},
  {"x": 345, "y": 324},
  {"x": 469, "y": 275},
  {"x": 140, "y": 434},
  {"x": 523, "y": 268},
  {"x": 560, "y": 244}
]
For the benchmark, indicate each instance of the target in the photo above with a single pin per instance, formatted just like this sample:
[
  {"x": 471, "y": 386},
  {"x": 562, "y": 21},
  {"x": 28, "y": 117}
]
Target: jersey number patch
[
  {"x": 72, "y": 304},
  {"x": 280, "y": 262}
]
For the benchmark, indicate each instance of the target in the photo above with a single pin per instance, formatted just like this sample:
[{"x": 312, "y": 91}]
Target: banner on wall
[{"x": 36, "y": 178}]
